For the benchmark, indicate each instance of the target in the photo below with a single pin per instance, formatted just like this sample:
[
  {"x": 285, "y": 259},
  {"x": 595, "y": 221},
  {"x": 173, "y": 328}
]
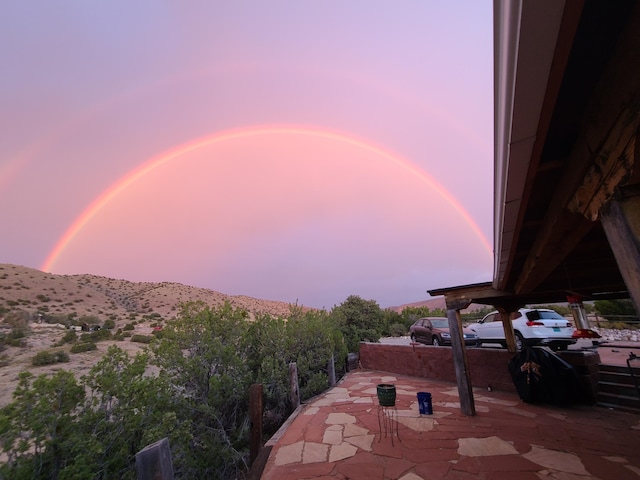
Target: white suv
[{"x": 531, "y": 327}]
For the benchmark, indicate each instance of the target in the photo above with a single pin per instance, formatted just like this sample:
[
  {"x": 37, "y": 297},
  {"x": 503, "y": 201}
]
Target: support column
[
  {"x": 509, "y": 335},
  {"x": 460, "y": 361},
  {"x": 621, "y": 222}
]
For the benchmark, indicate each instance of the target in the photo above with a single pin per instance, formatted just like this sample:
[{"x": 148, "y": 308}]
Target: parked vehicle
[
  {"x": 435, "y": 331},
  {"x": 531, "y": 327}
]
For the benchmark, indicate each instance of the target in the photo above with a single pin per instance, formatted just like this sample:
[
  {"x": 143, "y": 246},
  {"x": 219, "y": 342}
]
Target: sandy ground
[{"x": 42, "y": 337}]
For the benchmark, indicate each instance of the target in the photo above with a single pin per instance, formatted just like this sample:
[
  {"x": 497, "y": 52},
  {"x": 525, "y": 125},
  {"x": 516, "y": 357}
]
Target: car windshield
[
  {"x": 440, "y": 323},
  {"x": 542, "y": 315}
]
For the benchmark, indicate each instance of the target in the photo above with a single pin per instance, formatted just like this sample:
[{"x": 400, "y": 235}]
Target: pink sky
[{"x": 293, "y": 151}]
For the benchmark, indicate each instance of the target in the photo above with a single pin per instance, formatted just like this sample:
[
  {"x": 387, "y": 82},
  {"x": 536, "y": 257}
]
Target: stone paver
[
  {"x": 314, "y": 452},
  {"x": 342, "y": 451},
  {"x": 338, "y": 435},
  {"x": 482, "y": 447},
  {"x": 562, "y": 461}
]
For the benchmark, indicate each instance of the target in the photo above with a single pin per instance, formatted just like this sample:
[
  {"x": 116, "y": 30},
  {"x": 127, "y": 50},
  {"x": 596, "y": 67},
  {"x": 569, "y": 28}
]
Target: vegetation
[
  {"x": 359, "y": 320},
  {"x": 83, "y": 347},
  {"x": 60, "y": 426},
  {"x": 46, "y": 357},
  {"x": 69, "y": 337},
  {"x": 109, "y": 324},
  {"x": 621, "y": 312}
]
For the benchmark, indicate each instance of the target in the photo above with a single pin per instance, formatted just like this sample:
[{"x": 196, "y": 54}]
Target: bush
[
  {"x": 109, "y": 324},
  {"x": 44, "y": 357},
  {"x": 142, "y": 338},
  {"x": 83, "y": 347},
  {"x": 69, "y": 337},
  {"x": 61, "y": 356},
  {"x": 16, "y": 342},
  {"x": 397, "y": 330},
  {"x": 128, "y": 327},
  {"x": 96, "y": 336}
]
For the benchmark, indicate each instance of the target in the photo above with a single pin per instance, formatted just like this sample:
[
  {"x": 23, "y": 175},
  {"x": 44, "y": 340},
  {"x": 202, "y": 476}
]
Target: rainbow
[{"x": 155, "y": 162}]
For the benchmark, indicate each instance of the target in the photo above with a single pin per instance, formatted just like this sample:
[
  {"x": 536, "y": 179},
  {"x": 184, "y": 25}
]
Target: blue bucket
[{"x": 424, "y": 403}]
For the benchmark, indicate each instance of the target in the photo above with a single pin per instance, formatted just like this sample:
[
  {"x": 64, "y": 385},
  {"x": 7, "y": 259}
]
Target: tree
[
  {"x": 202, "y": 358},
  {"x": 616, "y": 310},
  {"x": 359, "y": 320}
]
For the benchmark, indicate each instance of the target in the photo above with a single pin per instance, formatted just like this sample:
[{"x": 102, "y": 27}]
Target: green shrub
[
  {"x": 317, "y": 383},
  {"x": 142, "y": 338},
  {"x": 83, "y": 347},
  {"x": 61, "y": 356},
  {"x": 128, "y": 327},
  {"x": 96, "y": 336},
  {"x": 109, "y": 324},
  {"x": 127, "y": 334},
  {"x": 397, "y": 330},
  {"x": 16, "y": 342},
  {"x": 69, "y": 337},
  {"x": 44, "y": 357}
]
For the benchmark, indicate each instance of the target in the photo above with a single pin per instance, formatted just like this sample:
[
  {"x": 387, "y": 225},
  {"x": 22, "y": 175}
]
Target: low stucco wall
[{"x": 488, "y": 366}]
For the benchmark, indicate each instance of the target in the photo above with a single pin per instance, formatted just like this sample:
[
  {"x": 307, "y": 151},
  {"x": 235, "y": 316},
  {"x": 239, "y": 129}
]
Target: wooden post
[
  {"x": 509, "y": 334},
  {"x": 621, "y": 223},
  {"x": 295, "y": 392},
  {"x": 153, "y": 462},
  {"x": 460, "y": 362},
  {"x": 255, "y": 416},
  {"x": 332, "y": 371}
]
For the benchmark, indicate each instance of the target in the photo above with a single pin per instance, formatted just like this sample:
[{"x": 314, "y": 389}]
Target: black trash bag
[{"x": 540, "y": 376}]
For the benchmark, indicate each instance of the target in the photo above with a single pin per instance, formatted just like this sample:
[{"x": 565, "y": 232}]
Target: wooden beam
[
  {"x": 621, "y": 223},
  {"x": 604, "y": 142},
  {"x": 461, "y": 363}
]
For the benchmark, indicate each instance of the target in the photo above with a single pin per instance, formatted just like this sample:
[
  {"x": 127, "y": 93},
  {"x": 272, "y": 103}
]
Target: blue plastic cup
[{"x": 424, "y": 403}]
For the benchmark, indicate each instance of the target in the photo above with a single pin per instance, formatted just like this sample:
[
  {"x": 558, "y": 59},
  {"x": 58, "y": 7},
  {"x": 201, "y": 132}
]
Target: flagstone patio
[{"x": 341, "y": 434}]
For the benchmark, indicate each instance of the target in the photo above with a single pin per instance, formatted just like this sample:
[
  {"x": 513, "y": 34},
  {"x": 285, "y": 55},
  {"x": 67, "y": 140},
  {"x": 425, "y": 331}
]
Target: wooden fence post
[
  {"x": 153, "y": 462},
  {"x": 293, "y": 378},
  {"x": 332, "y": 371},
  {"x": 255, "y": 416}
]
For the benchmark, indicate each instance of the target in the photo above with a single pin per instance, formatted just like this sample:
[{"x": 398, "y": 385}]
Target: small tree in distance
[{"x": 359, "y": 320}]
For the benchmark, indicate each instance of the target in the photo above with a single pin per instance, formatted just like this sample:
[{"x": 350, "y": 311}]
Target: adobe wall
[{"x": 488, "y": 366}]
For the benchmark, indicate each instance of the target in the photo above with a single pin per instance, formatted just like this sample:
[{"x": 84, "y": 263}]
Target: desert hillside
[
  {"x": 30, "y": 290},
  {"x": 47, "y": 300}
]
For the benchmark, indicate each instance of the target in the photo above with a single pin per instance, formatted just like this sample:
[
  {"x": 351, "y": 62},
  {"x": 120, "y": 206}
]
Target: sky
[{"x": 285, "y": 150}]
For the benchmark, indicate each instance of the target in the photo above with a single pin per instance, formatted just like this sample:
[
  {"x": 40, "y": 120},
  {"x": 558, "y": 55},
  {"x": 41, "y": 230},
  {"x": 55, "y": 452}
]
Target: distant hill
[
  {"x": 436, "y": 303},
  {"x": 30, "y": 290}
]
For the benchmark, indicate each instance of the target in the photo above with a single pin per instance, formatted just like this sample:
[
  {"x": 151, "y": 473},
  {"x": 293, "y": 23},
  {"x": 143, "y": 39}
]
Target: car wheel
[
  {"x": 519, "y": 341},
  {"x": 435, "y": 341},
  {"x": 413, "y": 338}
]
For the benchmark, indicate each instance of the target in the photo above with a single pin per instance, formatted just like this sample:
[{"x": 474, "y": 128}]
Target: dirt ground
[{"x": 43, "y": 337}]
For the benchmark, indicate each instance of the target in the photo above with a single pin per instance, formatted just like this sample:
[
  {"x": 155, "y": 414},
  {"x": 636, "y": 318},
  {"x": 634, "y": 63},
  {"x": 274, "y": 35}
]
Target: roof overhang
[{"x": 567, "y": 104}]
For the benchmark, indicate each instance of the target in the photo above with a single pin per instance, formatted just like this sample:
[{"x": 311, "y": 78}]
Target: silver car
[{"x": 531, "y": 327}]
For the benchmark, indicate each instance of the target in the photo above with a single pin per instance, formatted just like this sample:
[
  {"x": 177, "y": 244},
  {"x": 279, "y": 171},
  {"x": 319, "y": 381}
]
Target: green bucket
[{"x": 386, "y": 395}]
